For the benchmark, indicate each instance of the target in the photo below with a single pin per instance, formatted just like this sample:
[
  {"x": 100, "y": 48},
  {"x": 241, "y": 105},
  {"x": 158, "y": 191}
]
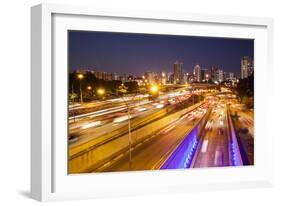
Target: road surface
[
  {"x": 213, "y": 150},
  {"x": 150, "y": 155}
]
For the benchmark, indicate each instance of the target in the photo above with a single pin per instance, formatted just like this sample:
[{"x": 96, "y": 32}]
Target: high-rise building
[
  {"x": 178, "y": 73},
  {"x": 170, "y": 77},
  {"x": 247, "y": 67},
  {"x": 213, "y": 72},
  {"x": 123, "y": 78},
  {"x": 217, "y": 74},
  {"x": 103, "y": 75},
  {"x": 229, "y": 76},
  {"x": 197, "y": 73},
  {"x": 151, "y": 77},
  {"x": 115, "y": 76},
  {"x": 205, "y": 75},
  {"x": 220, "y": 76},
  {"x": 163, "y": 77}
]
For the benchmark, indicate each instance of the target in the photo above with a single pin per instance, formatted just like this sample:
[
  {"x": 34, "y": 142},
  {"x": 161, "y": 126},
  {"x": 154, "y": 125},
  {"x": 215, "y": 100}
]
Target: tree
[
  {"x": 245, "y": 88},
  {"x": 132, "y": 86},
  {"x": 122, "y": 89}
]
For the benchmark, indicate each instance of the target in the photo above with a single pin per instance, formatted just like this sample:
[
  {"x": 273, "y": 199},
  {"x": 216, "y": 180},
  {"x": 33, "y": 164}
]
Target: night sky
[{"x": 136, "y": 53}]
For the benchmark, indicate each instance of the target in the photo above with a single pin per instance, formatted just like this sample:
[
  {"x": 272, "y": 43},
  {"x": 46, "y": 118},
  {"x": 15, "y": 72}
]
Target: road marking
[{"x": 204, "y": 146}]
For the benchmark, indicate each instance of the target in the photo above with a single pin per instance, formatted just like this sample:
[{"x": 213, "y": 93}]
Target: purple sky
[{"x": 137, "y": 53}]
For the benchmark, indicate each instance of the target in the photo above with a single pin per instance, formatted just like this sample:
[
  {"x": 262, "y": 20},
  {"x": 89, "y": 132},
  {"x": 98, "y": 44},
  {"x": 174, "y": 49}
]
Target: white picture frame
[{"x": 49, "y": 178}]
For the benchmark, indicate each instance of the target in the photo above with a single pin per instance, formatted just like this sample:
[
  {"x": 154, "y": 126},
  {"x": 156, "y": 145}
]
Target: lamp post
[
  {"x": 193, "y": 105},
  {"x": 90, "y": 89},
  {"x": 80, "y": 77},
  {"x": 101, "y": 92}
]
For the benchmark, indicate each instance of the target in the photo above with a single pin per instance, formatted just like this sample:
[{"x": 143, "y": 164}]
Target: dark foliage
[{"x": 245, "y": 87}]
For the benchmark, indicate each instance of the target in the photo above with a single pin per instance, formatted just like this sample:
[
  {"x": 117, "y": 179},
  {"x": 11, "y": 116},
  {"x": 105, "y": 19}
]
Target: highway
[
  {"x": 154, "y": 138},
  {"x": 98, "y": 123},
  {"x": 214, "y": 142},
  {"x": 150, "y": 155}
]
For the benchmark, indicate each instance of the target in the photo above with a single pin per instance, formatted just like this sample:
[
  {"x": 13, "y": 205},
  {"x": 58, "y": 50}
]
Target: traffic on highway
[{"x": 139, "y": 133}]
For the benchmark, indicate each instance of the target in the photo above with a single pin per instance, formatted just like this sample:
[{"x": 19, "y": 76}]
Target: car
[{"x": 73, "y": 138}]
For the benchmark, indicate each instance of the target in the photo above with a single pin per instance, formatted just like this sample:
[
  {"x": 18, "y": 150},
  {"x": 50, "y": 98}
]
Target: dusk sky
[{"x": 136, "y": 53}]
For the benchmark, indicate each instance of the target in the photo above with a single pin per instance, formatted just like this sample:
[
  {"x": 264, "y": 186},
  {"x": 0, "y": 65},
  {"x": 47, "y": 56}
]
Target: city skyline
[
  {"x": 157, "y": 102},
  {"x": 137, "y": 53}
]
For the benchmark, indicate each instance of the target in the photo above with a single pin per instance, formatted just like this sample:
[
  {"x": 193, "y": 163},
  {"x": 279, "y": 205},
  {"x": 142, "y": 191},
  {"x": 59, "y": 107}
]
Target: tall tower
[
  {"x": 247, "y": 67},
  {"x": 178, "y": 72},
  {"x": 197, "y": 73}
]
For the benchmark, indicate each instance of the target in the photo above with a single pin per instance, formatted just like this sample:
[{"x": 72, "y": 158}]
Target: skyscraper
[
  {"x": 220, "y": 76},
  {"x": 229, "y": 76},
  {"x": 197, "y": 73},
  {"x": 170, "y": 77},
  {"x": 247, "y": 67},
  {"x": 178, "y": 72},
  {"x": 205, "y": 74},
  {"x": 213, "y": 72},
  {"x": 163, "y": 76}
]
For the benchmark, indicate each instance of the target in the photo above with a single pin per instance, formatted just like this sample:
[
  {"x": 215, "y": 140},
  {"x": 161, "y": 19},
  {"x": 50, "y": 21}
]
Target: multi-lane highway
[
  {"x": 213, "y": 150},
  {"x": 158, "y": 128},
  {"x": 151, "y": 155},
  {"x": 96, "y": 123}
]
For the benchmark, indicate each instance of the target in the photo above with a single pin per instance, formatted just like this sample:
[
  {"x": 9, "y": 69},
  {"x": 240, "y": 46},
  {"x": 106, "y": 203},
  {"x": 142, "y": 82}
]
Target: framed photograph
[{"x": 138, "y": 102}]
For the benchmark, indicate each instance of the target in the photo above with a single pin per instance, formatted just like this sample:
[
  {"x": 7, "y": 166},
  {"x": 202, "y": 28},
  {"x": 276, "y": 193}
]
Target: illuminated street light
[
  {"x": 154, "y": 89},
  {"x": 100, "y": 91},
  {"x": 89, "y": 88},
  {"x": 80, "y": 77}
]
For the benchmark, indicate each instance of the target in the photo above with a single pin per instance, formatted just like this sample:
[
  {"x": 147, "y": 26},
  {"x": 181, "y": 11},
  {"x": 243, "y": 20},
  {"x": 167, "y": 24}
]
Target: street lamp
[
  {"x": 101, "y": 92},
  {"x": 90, "y": 90},
  {"x": 80, "y": 77},
  {"x": 154, "y": 89}
]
